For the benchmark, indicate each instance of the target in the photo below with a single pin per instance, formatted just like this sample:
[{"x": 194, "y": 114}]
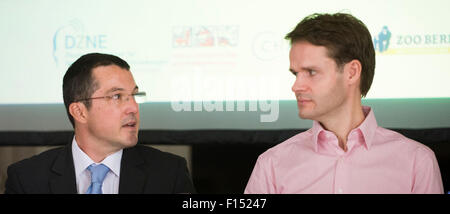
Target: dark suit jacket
[{"x": 143, "y": 170}]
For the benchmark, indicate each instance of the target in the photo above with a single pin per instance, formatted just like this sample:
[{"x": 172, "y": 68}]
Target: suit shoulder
[
  {"x": 152, "y": 153},
  {"x": 37, "y": 161}
]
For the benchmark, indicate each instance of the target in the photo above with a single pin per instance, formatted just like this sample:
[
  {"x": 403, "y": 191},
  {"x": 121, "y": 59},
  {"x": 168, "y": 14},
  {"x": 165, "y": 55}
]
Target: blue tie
[{"x": 98, "y": 174}]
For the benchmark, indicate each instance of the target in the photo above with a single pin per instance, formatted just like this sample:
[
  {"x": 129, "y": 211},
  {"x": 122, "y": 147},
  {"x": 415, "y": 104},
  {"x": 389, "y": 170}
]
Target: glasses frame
[{"x": 112, "y": 97}]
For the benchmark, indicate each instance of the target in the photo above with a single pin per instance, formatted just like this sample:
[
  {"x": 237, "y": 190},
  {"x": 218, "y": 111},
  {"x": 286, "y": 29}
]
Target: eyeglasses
[{"x": 120, "y": 98}]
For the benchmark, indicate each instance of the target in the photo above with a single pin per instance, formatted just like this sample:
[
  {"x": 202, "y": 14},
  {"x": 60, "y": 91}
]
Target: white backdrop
[{"x": 211, "y": 49}]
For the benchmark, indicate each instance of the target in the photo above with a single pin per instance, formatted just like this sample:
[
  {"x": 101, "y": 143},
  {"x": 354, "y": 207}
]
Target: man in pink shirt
[{"x": 333, "y": 59}]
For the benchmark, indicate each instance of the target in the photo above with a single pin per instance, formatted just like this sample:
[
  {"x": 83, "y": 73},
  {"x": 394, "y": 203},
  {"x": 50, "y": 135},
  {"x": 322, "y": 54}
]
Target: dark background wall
[
  {"x": 226, "y": 168},
  {"x": 222, "y": 160}
]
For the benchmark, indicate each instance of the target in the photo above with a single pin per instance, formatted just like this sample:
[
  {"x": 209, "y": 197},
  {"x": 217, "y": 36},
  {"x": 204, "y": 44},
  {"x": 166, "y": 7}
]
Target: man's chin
[
  {"x": 305, "y": 115},
  {"x": 130, "y": 141}
]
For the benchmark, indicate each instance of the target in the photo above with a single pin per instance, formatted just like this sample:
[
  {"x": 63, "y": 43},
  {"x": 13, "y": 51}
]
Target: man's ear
[
  {"x": 353, "y": 71},
  {"x": 78, "y": 111}
]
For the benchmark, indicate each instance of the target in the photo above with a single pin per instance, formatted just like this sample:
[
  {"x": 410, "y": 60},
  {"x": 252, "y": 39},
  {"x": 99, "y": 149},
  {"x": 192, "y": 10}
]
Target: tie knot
[{"x": 98, "y": 172}]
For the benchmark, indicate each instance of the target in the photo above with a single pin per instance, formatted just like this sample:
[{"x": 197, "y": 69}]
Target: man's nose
[
  {"x": 300, "y": 84},
  {"x": 131, "y": 105}
]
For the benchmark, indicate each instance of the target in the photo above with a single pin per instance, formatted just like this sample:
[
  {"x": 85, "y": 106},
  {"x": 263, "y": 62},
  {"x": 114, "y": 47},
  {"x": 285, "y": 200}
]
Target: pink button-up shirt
[{"x": 377, "y": 160}]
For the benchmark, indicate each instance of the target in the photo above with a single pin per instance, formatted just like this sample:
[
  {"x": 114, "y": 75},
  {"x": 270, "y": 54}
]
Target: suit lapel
[
  {"x": 62, "y": 176},
  {"x": 132, "y": 174}
]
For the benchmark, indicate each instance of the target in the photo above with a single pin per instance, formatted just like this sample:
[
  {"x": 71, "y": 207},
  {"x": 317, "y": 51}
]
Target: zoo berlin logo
[{"x": 387, "y": 43}]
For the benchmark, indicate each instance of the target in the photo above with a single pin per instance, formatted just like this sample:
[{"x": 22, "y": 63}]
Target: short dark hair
[
  {"x": 345, "y": 37},
  {"x": 79, "y": 83}
]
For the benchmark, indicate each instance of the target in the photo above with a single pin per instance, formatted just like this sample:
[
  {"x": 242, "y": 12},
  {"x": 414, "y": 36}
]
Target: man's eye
[
  {"x": 116, "y": 96},
  {"x": 312, "y": 72}
]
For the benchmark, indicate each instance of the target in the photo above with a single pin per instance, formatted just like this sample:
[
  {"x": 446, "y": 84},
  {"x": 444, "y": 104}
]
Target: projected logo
[
  {"x": 429, "y": 43},
  {"x": 205, "y": 36},
  {"x": 70, "y": 41},
  {"x": 268, "y": 46},
  {"x": 381, "y": 42}
]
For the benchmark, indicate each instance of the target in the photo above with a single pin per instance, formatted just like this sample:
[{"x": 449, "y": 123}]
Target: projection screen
[{"x": 209, "y": 64}]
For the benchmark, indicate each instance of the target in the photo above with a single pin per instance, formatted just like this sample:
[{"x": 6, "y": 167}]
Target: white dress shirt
[{"x": 83, "y": 175}]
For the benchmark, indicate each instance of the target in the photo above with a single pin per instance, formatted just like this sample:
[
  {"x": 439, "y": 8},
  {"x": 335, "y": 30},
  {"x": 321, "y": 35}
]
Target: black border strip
[{"x": 194, "y": 137}]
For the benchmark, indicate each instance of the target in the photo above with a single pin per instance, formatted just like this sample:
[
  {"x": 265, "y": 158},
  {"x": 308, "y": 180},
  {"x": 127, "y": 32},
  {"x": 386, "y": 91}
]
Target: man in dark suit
[{"x": 100, "y": 98}]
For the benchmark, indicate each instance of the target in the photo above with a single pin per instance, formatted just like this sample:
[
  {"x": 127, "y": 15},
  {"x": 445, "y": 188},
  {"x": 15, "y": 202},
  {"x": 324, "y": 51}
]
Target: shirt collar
[
  {"x": 82, "y": 160},
  {"x": 367, "y": 128}
]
